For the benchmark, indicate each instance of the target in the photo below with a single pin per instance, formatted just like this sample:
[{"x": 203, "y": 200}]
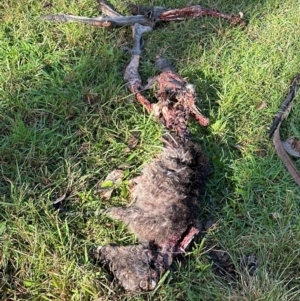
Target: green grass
[{"x": 67, "y": 121}]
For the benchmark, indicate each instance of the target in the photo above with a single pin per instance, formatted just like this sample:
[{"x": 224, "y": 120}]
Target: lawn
[{"x": 67, "y": 120}]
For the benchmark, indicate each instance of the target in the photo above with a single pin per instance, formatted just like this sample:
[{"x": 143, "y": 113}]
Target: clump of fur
[{"x": 163, "y": 214}]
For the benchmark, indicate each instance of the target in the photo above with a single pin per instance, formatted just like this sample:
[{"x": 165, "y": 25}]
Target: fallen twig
[
  {"x": 283, "y": 108},
  {"x": 275, "y": 128}
]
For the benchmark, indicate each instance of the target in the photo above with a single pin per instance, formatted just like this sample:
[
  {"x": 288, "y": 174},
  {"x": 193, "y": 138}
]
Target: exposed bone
[
  {"x": 174, "y": 114},
  {"x": 100, "y": 21},
  {"x": 149, "y": 16},
  {"x": 198, "y": 11},
  {"x": 108, "y": 10},
  {"x": 131, "y": 73},
  {"x": 176, "y": 100}
]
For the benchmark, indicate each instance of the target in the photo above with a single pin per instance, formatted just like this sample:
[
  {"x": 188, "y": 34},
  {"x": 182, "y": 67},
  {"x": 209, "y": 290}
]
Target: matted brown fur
[{"x": 163, "y": 214}]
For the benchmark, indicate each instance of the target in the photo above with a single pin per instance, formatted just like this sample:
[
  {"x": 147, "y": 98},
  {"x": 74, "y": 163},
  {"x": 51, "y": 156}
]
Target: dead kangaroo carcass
[
  {"x": 165, "y": 203},
  {"x": 163, "y": 215},
  {"x": 165, "y": 200}
]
